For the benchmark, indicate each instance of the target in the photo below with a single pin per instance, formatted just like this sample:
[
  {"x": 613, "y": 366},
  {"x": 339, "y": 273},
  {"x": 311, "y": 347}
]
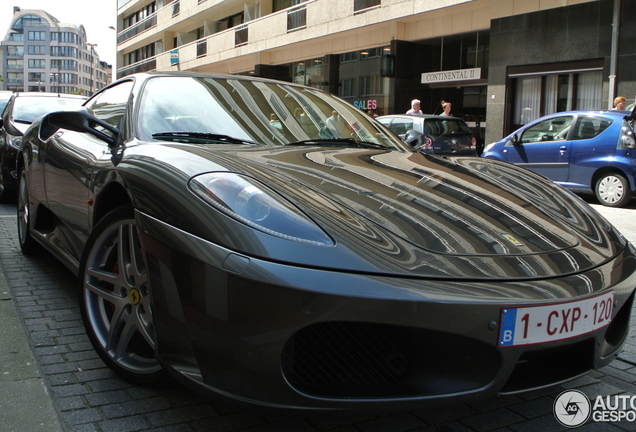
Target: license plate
[{"x": 549, "y": 323}]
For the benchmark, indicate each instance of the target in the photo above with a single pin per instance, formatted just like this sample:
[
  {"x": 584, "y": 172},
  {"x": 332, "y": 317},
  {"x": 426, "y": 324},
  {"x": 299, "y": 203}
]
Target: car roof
[
  {"x": 47, "y": 94},
  {"x": 611, "y": 113},
  {"x": 420, "y": 116}
]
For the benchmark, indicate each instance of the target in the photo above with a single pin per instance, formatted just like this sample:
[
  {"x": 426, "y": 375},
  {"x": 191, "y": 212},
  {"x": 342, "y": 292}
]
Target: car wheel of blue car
[
  {"x": 115, "y": 299},
  {"x": 613, "y": 190}
]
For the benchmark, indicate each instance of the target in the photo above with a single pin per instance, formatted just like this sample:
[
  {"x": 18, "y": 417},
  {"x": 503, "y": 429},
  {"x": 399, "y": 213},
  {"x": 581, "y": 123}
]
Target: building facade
[
  {"x": 41, "y": 54},
  {"x": 501, "y": 63}
]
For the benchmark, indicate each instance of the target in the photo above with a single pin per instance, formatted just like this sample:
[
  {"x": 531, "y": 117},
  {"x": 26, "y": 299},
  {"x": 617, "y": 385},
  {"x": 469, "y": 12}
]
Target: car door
[
  {"x": 544, "y": 147},
  {"x": 68, "y": 169}
]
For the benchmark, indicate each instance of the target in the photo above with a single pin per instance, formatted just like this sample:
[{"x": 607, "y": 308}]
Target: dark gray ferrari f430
[{"x": 273, "y": 244}]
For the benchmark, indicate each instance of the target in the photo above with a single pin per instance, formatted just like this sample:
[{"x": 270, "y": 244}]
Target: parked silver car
[{"x": 432, "y": 134}]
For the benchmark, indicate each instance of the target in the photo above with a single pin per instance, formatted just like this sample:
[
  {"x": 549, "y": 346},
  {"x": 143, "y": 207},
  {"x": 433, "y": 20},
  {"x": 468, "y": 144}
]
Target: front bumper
[{"x": 279, "y": 335}]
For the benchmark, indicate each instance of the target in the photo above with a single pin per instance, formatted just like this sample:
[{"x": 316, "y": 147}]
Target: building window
[
  {"x": 140, "y": 54},
  {"x": 37, "y": 64},
  {"x": 140, "y": 15},
  {"x": 67, "y": 37},
  {"x": 363, "y": 5},
  {"x": 240, "y": 36},
  {"x": 67, "y": 78},
  {"x": 297, "y": 19},
  {"x": 36, "y": 76},
  {"x": 539, "y": 95},
  {"x": 28, "y": 21},
  {"x": 347, "y": 87},
  {"x": 15, "y": 50},
  {"x": 15, "y": 77},
  {"x": 202, "y": 48},
  {"x": 15, "y": 37},
  {"x": 37, "y": 49},
  {"x": 64, "y": 51},
  {"x": 37, "y": 36},
  {"x": 371, "y": 85},
  {"x": 15, "y": 64},
  {"x": 284, "y": 4},
  {"x": 64, "y": 64},
  {"x": 176, "y": 8}
]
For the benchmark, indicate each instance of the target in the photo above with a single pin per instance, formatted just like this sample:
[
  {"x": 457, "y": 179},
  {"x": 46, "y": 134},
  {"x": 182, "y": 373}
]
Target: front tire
[
  {"x": 27, "y": 244},
  {"x": 6, "y": 194},
  {"x": 613, "y": 190},
  {"x": 115, "y": 299}
]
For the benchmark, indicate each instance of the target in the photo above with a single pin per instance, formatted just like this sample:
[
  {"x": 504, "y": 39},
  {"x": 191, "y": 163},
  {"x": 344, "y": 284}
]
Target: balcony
[
  {"x": 146, "y": 65},
  {"x": 296, "y": 24},
  {"x": 140, "y": 27}
]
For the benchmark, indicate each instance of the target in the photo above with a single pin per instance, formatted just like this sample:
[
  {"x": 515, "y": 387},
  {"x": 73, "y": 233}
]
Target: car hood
[{"x": 434, "y": 215}]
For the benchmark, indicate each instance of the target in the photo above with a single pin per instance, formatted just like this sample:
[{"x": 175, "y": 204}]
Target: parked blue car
[{"x": 584, "y": 151}]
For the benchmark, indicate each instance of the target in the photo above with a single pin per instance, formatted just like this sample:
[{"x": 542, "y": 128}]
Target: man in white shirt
[{"x": 415, "y": 107}]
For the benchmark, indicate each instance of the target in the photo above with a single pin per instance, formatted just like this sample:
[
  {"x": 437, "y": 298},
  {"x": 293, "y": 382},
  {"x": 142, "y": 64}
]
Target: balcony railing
[
  {"x": 141, "y": 26},
  {"x": 142, "y": 66}
]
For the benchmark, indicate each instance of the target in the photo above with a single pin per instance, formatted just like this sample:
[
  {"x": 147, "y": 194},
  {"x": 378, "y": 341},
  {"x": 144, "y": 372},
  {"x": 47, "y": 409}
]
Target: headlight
[{"x": 257, "y": 206}]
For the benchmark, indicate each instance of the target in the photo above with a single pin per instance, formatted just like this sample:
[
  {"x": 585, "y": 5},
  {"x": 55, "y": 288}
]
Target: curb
[{"x": 25, "y": 402}]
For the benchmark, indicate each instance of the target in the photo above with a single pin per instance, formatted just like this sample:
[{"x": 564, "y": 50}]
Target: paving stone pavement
[{"x": 88, "y": 397}]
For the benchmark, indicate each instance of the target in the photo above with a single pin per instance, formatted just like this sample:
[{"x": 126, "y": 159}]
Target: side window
[
  {"x": 589, "y": 127},
  {"x": 554, "y": 129},
  {"x": 110, "y": 105},
  {"x": 401, "y": 125}
]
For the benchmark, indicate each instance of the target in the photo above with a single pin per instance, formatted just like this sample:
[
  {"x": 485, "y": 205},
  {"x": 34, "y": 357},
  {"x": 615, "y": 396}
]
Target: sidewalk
[{"x": 25, "y": 404}]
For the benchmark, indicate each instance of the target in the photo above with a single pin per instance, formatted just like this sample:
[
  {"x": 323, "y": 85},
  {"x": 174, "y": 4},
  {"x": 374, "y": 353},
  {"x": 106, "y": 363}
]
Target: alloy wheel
[{"x": 116, "y": 302}]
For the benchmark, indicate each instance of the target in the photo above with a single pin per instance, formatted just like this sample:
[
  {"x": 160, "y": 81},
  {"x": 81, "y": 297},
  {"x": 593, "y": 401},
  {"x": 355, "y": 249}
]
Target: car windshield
[
  {"x": 253, "y": 111},
  {"x": 446, "y": 127},
  {"x": 4, "y": 99},
  {"x": 27, "y": 109}
]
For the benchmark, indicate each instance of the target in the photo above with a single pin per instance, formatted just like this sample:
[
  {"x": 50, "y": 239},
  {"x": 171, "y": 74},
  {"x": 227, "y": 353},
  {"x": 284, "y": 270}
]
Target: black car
[
  {"x": 433, "y": 134},
  {"x": 280, "y": 265},
  {"x": 21, "y": 110}
]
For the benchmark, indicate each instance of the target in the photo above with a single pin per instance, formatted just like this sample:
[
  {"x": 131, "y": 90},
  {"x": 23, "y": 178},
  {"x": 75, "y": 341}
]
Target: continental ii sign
[{"x": 451, "y": 76}]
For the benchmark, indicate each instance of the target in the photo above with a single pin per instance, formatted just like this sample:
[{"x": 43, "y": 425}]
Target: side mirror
[
  {"x": 412, "y": 138},
  {"x": 515, "y": 140},
  {"x": 77, "y": 121}
]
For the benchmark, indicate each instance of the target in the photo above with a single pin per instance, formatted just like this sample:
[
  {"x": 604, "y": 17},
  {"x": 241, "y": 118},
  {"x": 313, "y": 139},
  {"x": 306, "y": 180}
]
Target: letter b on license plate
[{"x": 549, "y": 323}]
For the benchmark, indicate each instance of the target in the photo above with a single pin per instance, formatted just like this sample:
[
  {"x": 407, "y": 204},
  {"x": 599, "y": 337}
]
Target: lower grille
[{"x": 365, "y": 360}]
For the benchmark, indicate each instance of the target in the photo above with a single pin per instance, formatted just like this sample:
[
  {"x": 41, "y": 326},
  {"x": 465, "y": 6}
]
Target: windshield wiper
[
  {"x": 199, "y": 137},
  {"x": 350, "y": 141}
]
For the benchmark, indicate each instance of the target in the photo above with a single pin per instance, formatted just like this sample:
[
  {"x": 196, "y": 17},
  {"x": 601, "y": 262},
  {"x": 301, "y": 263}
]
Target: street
[{"x": 89, "y": 397}]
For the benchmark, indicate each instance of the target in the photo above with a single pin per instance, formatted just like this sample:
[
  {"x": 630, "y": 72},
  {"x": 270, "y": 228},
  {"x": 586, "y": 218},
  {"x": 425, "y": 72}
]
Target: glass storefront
[
  {"x": 363, "y": 80},
  {"x": 313, "y": 73}
]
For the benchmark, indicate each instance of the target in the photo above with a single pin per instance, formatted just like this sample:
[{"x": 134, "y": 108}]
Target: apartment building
[
  {"x": 501, "y": 63},
  {"x": 41, "y": 54}
]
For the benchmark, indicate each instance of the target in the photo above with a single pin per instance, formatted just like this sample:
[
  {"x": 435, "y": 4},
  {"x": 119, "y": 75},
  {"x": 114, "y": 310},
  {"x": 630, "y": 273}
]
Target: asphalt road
[{"x": 52, "y": 380}]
